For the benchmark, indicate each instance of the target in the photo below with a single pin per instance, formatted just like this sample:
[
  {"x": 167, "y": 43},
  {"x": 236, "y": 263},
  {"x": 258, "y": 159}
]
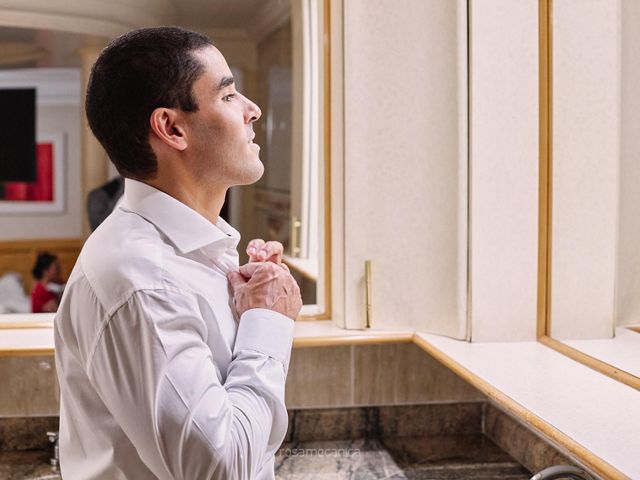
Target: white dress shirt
[{"x": 157, "y": 377}]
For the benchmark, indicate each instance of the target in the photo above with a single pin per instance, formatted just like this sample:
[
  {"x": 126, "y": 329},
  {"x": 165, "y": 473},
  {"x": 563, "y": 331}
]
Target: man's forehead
[{"x": 216, "y": 66}]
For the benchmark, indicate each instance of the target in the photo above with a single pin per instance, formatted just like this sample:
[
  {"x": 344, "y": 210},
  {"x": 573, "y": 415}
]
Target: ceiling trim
[
  {"x": 93, "y": 17},
  {"x": 269, "y": 18}
]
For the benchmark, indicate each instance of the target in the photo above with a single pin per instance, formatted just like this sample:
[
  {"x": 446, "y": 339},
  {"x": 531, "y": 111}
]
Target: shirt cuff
[{"x": 266, "y": 332}]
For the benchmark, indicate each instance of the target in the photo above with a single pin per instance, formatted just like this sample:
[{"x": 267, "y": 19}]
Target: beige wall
[
  {"x": 391, "y": 374},
  {"x": 628, "y": 285},
  {"x": 504, "y": 169},
  {"x": 405, "y": 164},
  {"x": 586, "y": 152},
  {"x": 239, "y": 52}
]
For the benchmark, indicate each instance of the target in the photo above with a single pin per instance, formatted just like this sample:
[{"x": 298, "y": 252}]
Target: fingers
[
  {"x": 261, "y": 251},
  {"x": 253, "y": 248},
  {"x": 266, "y": 285},
  {"x": 236, "y": 280},
  {"x": 247, "y": 270},
  {"x": 271, "y": 252}
]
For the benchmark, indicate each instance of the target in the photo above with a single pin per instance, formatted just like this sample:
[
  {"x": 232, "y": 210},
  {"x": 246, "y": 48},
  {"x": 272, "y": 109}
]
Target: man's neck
[{"x": 206, "y": 201}]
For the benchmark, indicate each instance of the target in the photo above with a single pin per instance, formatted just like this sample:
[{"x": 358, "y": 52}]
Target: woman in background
[{"x": 46, "y": 272}]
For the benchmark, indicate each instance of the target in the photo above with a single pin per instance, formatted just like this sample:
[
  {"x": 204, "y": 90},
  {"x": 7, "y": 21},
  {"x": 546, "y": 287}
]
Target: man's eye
[{"x": 228, "y": 97}]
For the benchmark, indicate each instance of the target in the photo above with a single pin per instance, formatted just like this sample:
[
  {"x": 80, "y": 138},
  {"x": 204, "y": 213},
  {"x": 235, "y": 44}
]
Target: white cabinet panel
[
  {"x": 405, "y": 163},
  {"x": 586, "y": 168},
  {"x": 504, "y": 169}
]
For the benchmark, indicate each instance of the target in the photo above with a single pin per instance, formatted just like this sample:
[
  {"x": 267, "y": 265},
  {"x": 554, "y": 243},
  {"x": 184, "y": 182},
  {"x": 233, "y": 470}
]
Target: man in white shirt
[{"x": 171, "y": 359}]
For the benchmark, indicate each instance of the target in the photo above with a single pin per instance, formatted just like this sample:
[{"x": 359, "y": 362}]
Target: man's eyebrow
[{"x": 225, "y": 82}]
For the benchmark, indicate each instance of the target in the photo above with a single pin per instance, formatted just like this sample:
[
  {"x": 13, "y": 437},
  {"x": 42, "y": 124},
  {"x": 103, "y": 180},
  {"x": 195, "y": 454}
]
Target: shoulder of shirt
[{"x": 124, "y": 255}]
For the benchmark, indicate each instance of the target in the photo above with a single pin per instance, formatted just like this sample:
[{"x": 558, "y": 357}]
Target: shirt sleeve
[{"x": 154, "y": 371}]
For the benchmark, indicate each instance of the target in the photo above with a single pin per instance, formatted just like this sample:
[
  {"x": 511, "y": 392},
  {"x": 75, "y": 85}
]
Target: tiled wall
[
  {"x": 28, "y": 386},
  {"x": 392, "y": 374},
  {"x": 531, "y": 448}
]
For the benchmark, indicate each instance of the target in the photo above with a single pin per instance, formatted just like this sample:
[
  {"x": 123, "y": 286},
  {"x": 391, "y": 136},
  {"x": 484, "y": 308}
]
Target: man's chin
[{"x": 252, "y": 176}]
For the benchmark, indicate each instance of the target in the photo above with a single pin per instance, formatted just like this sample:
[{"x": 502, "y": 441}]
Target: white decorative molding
[
  {"x": 54, "y": 86},
  {"x": 95, "y": 17},
  {"x": 271, "y": 16}
]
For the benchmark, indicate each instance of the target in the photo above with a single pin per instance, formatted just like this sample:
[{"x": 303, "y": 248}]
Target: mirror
[
  {"x": 275, "y": 51},
  {"x": 594, "y": 268}
]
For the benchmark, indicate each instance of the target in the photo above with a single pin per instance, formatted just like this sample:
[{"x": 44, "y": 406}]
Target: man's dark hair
[
  {"x": 136, "y": 73},
  {"x": 44, "y": 261}
]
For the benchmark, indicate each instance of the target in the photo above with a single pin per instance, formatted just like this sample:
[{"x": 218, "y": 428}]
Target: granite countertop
[
  {"x": 405, "y": 458},
  {"x": 450, "y": 457},
  {"x": 410, "y": 442},
  {"x": 26, "y": 465}
]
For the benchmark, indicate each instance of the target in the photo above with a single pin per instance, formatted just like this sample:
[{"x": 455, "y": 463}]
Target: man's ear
[{"x": 165, "y": 124}]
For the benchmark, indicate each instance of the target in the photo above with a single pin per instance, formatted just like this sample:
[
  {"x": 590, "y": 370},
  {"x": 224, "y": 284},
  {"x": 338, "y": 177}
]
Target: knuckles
[{"x": 269, "y": 267}]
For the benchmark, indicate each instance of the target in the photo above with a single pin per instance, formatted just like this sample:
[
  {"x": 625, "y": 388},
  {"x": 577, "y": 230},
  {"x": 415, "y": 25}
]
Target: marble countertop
[
  {"x": 411, "y": 458},
  {"x": 26, "y": 465},
  {"x": 443, "y": 458},
  {"x": 433, "y": 441}
]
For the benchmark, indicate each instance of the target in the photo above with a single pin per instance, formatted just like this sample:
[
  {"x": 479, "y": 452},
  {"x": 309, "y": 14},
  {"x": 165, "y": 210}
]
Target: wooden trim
[
  {"x": 326, "y": 267},
  {"x": 591, "y": 362},
  {"x": 591, "y": 461},
  {"x": 312, "y": 317},
  {"x": 24, "y": 325},
  {"x": 327, "y": 160},
  {"x": 26, "y": 351},
  {"x": 544, "y": 318},
  {"x": 545, "y": 164},
  {"x": 369, "y": 339}
]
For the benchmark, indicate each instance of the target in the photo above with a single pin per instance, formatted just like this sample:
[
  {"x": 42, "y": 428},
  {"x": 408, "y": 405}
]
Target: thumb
[
  {"x": 249, "y": 269},
  {"x": 236, "y": 280}
]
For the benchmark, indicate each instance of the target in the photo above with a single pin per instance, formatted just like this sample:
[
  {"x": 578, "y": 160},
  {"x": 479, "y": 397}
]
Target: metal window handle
[
  {"x": 562, "y": 471},
  {"x": 295, "y": 237},
  {"x": 54, "y": 461},
  {"x": 367, "y": 293}
]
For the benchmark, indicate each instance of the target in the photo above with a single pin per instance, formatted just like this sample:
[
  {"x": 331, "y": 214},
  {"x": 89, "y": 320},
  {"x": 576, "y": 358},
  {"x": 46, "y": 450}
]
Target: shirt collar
[{"x": 186, "y": 228}]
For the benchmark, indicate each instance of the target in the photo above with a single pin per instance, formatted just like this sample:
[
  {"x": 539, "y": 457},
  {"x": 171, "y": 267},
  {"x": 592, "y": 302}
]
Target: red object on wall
[
  {"x": 16, "y": 191},
  {"x": 42, "y": 189}
]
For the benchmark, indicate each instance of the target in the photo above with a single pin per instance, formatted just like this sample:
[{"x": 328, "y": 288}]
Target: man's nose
[{"x": 253, "y": 112}]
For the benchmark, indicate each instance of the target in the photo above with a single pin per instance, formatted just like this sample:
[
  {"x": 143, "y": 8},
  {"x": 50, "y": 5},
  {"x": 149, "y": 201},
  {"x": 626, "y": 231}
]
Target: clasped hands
[{"x": 265, "y": 282}]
